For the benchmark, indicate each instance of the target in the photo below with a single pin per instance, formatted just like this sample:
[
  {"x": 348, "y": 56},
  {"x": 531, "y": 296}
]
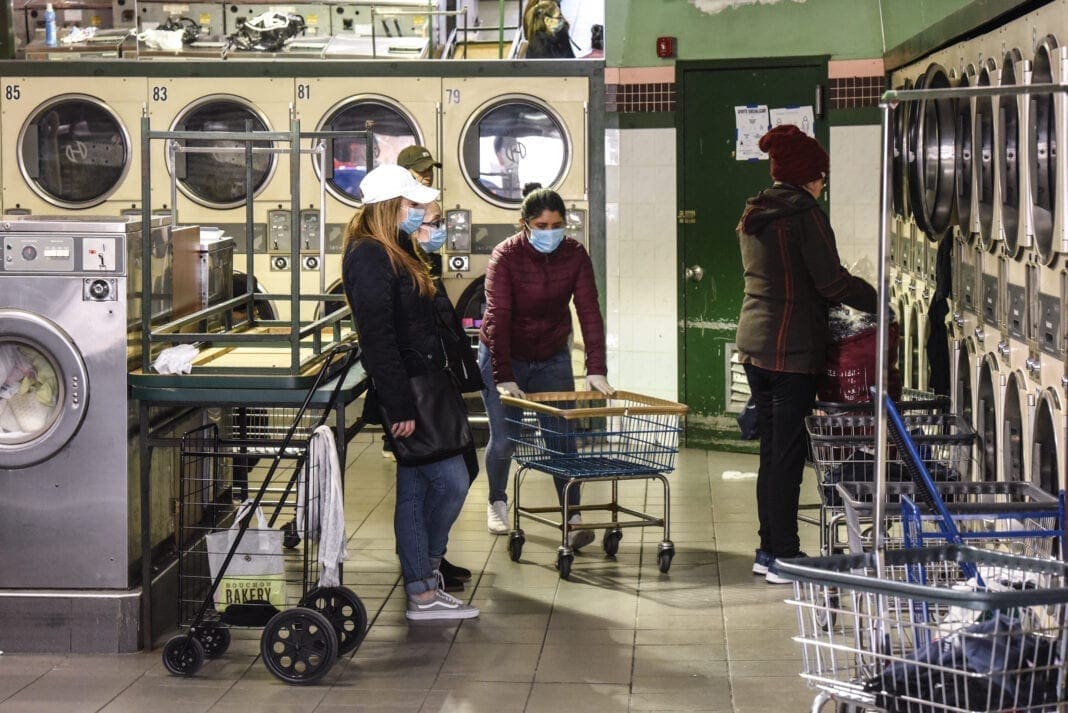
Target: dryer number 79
[{"x": 12, "y": 92}]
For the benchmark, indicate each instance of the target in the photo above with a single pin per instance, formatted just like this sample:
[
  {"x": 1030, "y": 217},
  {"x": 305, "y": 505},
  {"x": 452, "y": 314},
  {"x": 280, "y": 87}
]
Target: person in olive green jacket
[{"x": 792, "y": 275}]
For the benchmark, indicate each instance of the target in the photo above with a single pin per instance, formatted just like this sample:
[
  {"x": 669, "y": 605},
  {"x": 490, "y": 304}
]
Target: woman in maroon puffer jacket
[{"x": 530, "y": 282}]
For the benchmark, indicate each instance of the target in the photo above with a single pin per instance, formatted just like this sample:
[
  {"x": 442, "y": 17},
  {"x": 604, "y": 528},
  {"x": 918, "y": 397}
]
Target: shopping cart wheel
[
  {"x": 299, "y": 645},
  {"x": 516, "y": 540},
  {"x": 344, "y": 610},
  {"x": 290, "y": 536},
  {"x": 664, "y": 557},
  {"x": 563, "y": 563},
  {"x": 183, "y": 655},
  {"x": 610, "y": 543},
  {"x": 214, "y": 637}
]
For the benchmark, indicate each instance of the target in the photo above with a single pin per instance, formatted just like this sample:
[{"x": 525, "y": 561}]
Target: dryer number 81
[{"x": 12, "y": 92}]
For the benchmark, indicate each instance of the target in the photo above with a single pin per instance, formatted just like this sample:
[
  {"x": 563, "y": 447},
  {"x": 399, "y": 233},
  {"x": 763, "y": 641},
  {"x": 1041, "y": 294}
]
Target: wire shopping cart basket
[
  {"x": 584, "y": 436},
  {"x": 842, "y": 449},
  {"x": 1014, "y": 517},
  {"x": 236, "y": 568},
  {"x": 944, "y": 644}
]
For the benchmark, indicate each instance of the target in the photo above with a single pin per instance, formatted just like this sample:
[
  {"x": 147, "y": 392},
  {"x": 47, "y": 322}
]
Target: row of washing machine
[
  {"x": 983, "y": 173},
  {"x": 72, "y": 145}
]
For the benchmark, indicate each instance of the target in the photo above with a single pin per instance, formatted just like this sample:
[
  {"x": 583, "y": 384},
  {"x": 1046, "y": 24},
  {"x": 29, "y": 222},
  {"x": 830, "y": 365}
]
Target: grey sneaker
[
  {"x": 577, "y": 539},
  {"x": 442, "y": 606}
]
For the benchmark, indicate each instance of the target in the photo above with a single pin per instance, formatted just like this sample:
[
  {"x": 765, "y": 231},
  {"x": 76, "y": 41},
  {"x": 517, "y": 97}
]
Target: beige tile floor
[{"x": 619, "y": 636}]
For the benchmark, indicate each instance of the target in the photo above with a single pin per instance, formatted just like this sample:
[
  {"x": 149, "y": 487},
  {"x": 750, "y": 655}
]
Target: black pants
[{"x": 782, "y": 400}]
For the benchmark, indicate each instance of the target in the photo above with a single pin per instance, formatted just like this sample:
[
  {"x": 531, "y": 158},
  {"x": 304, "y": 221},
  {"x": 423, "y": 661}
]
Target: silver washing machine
[{"x": 65, "y": 518}]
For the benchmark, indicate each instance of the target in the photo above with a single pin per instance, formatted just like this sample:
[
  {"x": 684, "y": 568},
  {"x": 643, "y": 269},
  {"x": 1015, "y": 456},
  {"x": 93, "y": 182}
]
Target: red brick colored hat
[{"x": 795, "y": 157}]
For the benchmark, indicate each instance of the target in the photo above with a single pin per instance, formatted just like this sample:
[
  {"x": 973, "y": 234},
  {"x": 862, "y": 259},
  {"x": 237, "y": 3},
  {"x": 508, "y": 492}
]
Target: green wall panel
[
  {"x": 902, "y": 19},
  {"x": 780, "y": 29}
]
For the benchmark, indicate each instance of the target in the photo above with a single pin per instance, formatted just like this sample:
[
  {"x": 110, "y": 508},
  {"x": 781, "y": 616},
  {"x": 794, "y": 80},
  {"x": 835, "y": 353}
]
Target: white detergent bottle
[{"x": 50, "y": 25}]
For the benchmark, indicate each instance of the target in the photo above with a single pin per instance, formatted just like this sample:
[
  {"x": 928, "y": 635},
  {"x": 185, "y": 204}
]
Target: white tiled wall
[
  {"x": 641, "y": 322},
  {"x": 854, "y": 192}
]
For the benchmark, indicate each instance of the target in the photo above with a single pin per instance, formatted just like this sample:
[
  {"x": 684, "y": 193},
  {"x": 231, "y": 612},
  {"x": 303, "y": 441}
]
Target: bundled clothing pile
[
  {"x": 860, "y": 467},
  {"x": 29, "y": 390},
  {"x": 990, "y": 665}
]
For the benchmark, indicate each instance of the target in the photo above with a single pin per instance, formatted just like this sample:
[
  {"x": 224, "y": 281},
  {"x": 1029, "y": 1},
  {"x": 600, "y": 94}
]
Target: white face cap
[{"x": 392, "y": 181}]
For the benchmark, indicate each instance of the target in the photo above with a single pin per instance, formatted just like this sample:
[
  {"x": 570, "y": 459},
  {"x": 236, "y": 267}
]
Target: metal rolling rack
[
  {"x": 886, "y": 624},
  {"x": 240, "y": 387}
]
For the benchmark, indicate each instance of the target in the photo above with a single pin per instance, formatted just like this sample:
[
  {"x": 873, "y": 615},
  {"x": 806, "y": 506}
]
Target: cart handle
[{"x": 544, "y": 402}]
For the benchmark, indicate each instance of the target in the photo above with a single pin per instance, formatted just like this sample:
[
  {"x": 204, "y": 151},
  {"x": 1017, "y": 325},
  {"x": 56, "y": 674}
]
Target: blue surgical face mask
[
  {"x": 545, "y": 241},
  {"x": 435, "y": 241},
  {"x": 413, "y": 221}
]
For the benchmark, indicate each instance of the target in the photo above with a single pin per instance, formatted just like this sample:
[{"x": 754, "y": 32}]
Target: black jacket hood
[{"x": 780, "y": 201}]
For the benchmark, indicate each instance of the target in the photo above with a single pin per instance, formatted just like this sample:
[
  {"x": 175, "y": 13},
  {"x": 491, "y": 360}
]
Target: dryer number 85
[{"x": 12, "y": 92}]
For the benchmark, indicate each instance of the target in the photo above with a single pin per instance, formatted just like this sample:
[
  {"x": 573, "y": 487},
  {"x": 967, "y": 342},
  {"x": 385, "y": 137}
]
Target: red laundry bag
[{"x": 850, "y": 367}]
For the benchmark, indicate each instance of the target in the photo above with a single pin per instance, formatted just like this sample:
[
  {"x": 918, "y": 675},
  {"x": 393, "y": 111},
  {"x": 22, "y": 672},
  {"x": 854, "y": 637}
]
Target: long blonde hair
[{"x": 378, "y": 222}]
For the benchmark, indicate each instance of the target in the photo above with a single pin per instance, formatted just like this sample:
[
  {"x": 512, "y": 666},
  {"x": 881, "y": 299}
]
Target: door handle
[{"x": 695, "y": 273}]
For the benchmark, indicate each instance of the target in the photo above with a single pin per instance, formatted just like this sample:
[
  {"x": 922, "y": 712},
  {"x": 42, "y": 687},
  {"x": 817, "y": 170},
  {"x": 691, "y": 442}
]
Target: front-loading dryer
[
  {"x": 70, "y": 144},
  {"x": 404, "y": 112},
  {"x": 209, "y": 187},
  {"x": 497, "y": 135}
]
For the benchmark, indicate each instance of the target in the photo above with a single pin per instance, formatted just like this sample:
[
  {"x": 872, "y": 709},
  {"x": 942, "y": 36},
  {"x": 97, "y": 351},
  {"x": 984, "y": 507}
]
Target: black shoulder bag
[{"x": 441, "y": 427}]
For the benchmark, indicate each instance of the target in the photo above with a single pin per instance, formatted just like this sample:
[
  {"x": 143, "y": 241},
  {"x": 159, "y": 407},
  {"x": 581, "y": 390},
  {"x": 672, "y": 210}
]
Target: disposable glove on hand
[
  {"x": 510, "y": 388},
  {"x": 600, "y": 383}
]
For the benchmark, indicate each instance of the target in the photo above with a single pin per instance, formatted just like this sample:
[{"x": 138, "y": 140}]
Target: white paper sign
[
  {"x": 750, "y": 123},
  {"x": 800, "y": 116}
]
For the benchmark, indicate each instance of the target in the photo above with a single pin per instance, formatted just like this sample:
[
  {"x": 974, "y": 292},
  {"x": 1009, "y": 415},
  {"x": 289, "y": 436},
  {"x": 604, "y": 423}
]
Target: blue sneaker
[
  {"x": 773, "y": 576},
  {"x": 761, "y": 561}
]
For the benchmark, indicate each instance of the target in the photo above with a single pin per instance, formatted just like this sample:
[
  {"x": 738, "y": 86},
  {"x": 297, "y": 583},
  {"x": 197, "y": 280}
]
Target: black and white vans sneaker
[{"x": 442, "y": 606}]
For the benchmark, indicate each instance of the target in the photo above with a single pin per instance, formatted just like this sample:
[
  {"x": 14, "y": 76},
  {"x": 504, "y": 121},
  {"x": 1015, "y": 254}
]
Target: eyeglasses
[{"x": 434, "y": 223}]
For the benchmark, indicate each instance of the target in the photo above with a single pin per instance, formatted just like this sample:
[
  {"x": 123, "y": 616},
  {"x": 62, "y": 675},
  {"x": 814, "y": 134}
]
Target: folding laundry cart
[
  {"x": 584, "y": 436},
  {"x": 236, "y": 573}
]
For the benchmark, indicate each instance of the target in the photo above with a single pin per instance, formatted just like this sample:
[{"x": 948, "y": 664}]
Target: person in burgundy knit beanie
[{"x": 796, "y": 158}]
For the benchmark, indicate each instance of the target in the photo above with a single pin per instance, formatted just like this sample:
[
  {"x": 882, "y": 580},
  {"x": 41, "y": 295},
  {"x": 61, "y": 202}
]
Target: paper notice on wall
[
  {"x": 750, "y": 123},
  {"x": 800, "y": 116}
]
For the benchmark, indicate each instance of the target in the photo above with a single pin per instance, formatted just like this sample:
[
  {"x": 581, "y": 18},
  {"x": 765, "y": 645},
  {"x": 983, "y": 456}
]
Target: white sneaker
[
  {"x": 577, "y": 539},
  {"x": 442, "y": 606},
  {"x": 497, "y": 518}
]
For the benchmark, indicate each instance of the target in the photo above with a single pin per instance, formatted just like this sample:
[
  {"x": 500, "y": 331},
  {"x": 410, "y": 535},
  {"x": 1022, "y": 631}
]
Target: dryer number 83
[{"x": 12, "y": 92}]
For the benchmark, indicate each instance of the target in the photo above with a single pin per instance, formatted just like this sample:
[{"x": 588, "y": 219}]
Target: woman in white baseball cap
[{"x": 391, "y": 294}]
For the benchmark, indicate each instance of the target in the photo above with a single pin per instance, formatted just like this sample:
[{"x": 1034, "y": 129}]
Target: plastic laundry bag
[{"x": 850, "y": 361}]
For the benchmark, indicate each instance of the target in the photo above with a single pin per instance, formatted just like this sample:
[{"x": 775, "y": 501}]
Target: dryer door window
[
  {"x": 217, "y": 179},
  {"x": 511, "y": 143},
  {"x": 43, "y": 389},
  {"x": 74, "y": 152},
  {"x": 394, "y": 131}
]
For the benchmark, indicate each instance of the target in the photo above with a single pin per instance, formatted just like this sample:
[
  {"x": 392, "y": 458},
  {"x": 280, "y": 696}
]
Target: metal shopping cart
[
  {"x": 1015, "y": 517},
  {"x": 842, "y": 449},
  {"x": 584, "y": 436},
  {"x": 234, "y": 574},
  {"x": 948, "y": 644}
]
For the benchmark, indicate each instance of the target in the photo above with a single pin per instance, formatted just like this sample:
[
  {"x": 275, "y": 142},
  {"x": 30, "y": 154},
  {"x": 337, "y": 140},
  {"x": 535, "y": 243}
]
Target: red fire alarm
[{"x": 665, "y": 47}]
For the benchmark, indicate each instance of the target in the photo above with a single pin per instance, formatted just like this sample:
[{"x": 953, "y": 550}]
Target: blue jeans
[
  {"x": 429, "y": 499},
  {"x": 553, "y": 374}
]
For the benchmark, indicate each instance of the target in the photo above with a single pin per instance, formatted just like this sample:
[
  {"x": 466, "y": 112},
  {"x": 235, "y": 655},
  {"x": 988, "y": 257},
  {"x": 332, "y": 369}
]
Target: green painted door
[{"x": 713, "y": 187}]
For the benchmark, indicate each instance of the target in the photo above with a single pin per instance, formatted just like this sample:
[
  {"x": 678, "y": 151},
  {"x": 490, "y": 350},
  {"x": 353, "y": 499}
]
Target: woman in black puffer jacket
[{"x": 392, "y": 297}]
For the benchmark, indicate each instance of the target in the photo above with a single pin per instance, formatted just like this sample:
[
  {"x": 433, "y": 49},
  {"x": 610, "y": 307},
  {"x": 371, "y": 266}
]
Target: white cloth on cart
[{"x": 321, "y": 504}]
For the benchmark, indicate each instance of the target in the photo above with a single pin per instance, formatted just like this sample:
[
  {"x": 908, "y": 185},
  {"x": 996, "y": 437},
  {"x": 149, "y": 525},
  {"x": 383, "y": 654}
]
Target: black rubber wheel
[
  {"x": 299, "y": 646},
  {"x": 563, "y": 563},
  {"x": 515, "y": 545},
  {"x": 214, "y": 638},
  {"x": 610, "y": 543},
  {"x": 290, "y": 536},
  {"x": 344, "y": 610},
  {"x": 183, "y": 655},
  {"x": 663, "y": 559}
]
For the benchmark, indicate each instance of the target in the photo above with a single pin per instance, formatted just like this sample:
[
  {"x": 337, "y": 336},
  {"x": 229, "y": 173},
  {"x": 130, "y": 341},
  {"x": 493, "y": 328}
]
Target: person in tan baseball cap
[{"x": 420, "y": 162}]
